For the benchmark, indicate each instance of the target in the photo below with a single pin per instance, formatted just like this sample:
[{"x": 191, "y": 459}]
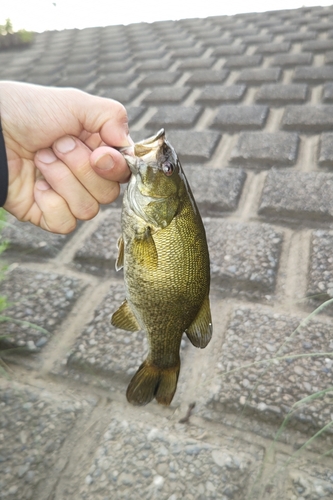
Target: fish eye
[{"x": 167, "y": 168}]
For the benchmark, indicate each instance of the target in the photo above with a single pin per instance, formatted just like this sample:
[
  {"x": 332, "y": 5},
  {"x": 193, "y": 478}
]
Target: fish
[{"x": 164, "y": 255}]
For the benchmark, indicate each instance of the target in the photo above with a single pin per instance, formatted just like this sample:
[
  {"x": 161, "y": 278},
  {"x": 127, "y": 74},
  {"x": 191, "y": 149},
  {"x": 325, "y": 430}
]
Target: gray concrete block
[
  {"x": 244, "y": 257},
  {"x": 135, "y": 112},
  {"x": 115, "y": 80},
  {"x": 279, "y": 94},
  {"x": 308, "y": 118},
  {"x": 300, "y": 195},
  {"x": 243, "y": 61},
  {"x": 167, "y": 95},
  {"x": 258, "y": 76},
  {"x": 121, "y": 94},
  {"x": 38, "y": 303},
  {"x": 227, "y": 50},
  {"x": 326, "y": 150},
  {"x": 216, "y": 190},
  {"x": 273, "y": 48},
  {"x": 291, "y": 60},
  {"x": 233, "y": 117},
  {"x": 160, "y": 78},
  {"x": 99, "y": 252},
  {"x": 168, "y": 463},
  {"x": 30, "y": 241},
  {"x": 328, "y": 92},
  {"x": 214, "y": 94},
  {"x": 318, "y": 45},
  {"x": 265, "y": 149},
  {"x": 175, "y": 117},
  {"x": 185, "y": 53},
  {"x": 155, "y": 65},
  {"x": 194, "y": 146},
  {"x": 34, "y": 427},
  {"x": 320, "y": 278},
  {"x": 313, "y": 74},
  {"x": 196, "y": 63},
  {"x": 205, "y": 77},
  {"x": 248, "y": 380}
]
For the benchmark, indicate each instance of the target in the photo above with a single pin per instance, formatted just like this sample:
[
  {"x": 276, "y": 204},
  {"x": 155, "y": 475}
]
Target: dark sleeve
[{"x": 3, "y": 170}]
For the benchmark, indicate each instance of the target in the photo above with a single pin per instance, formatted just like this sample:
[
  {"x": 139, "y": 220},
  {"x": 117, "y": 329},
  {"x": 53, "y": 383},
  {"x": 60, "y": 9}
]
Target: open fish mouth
[{"x": 147, "y": 149}]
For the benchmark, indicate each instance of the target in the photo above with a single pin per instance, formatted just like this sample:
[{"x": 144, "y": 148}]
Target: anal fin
[
  {"x": 201, "y": 329},
  {"x": 120, "y": 258},
  {"x": 124, "y": 318}
]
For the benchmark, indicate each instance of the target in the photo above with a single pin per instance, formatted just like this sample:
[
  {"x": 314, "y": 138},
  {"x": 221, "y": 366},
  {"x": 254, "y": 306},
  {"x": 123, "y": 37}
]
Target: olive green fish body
[{"x": 164, "y": 253}]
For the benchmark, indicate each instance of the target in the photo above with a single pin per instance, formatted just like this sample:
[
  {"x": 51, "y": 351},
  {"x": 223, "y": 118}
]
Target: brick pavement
[{"x": 246, "y": 100}]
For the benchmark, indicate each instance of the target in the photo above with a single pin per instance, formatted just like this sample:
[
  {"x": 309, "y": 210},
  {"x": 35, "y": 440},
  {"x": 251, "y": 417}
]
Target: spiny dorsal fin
[
  {"x": 120, "y": 258},
  {"x": 124, "y": 318},
  {"x": 200, "y": 331}
]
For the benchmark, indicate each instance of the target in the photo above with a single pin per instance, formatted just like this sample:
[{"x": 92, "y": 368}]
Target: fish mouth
[{"x": 146, "y": 151}]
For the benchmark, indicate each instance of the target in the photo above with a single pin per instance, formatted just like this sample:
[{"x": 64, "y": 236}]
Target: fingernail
[
  {"x": 46, "y": 156},
  {"x": 105, "y": 162},
  {"x": 42, "y": 185},
  {"x": 65, "y": 144}
]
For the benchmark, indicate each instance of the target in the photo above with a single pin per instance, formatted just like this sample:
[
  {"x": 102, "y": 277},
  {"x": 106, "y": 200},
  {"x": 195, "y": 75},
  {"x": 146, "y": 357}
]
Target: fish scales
[{"x": 164, "y": 253}]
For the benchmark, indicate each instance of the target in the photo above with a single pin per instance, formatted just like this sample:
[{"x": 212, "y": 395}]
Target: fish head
[{"x": 157, "y": 182}]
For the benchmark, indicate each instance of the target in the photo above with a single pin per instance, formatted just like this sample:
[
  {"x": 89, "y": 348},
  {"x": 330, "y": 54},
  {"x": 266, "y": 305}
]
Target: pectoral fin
[
  {"x": 120, "y": 258},
  {"x": 124, "y": 318},
  {"x": 144, "y": 250},
  {"x": 200, "y": 331}
]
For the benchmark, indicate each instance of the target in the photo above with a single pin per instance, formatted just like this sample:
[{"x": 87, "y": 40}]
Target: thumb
[{"x": 105, "y": 116}]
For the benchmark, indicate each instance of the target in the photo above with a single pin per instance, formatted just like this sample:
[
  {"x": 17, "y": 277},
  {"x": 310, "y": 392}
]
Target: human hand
[{"x": 60, "y": 161}]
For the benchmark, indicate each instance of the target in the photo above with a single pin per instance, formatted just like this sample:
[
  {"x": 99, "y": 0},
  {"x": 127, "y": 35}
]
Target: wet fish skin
[{"x": 164, "y": 253}]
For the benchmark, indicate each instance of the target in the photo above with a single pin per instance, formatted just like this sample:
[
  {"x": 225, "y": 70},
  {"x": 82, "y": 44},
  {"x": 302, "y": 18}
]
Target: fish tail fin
[{"x": 151, "y": 382}]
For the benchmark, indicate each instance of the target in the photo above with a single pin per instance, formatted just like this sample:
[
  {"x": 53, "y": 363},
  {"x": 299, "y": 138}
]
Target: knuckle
[
  {"x": 88, "y": 211},
  {"x": 110, "y": 195}
]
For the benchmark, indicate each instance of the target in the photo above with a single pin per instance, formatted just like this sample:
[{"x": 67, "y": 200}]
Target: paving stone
[
  {"x": 258, "y": 76},
  {"x": 329, "y": 57},
  {"x": 175, "y": 117},
  {"x": 168, "y": 463},
  {"x": 244, "y": 257},
  {"x": 155, "y": 65},
  {"x": 326, "y": 150},
  {"x": 99, "y": 251},
  {"x": 34, "y": 427},
  {"x": 243, "y": 61},
  {"x": 318, "y": 45},
  {"x": 268, "y": 389},
  {"x": 291, "y": 60},
  {"x": 204, "y": 77},
  {"x": 226, "y": 50},
  {"x": 188, "y": 52},
  {"x": 30, "y": 241},
  {"x": 233, "y": 117},
  {"x": 216, "y": 190},
  {"x": 135, "y": 112},
  {"x": 257, "y": 39},
  {"x": 214, "y": 94},
  {"x": 273, "y": 48},
  {"x": 148, "y": 55},
  {"x": 308, "y": 118},
  {"x": 167, "y": 95},
  {"x": 313, "y": 74},
  {"x": 195, "y": 63},
  {"x": 320, "y": 279},
  {"x": 116, "y": 66},
  {"x": 51, "y": 79},
  {"x": 305, "y": 195},
  {"x": 123, "y": 95},
  {"x": 300, "y": 36},
  {"x": 328, "y": 92},
  {"x": 279, "y": 94},
  {"x": 116, "y": 80},
  {"x": 38, "y": 302},
  {"x": 160, "y": 78},
  {"x": 76, "y": 80},
  {"x": 118, "y": 54},
  {"x": 102, "y": 348},
  {"x": 266, "y": 149},
  {"x": 194, "y": 146}
]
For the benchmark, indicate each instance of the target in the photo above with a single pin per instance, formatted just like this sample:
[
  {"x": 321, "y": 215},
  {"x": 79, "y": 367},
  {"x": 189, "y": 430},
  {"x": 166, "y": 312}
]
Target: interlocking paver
[
  {"x": 234, "y": 117},
  {"x": 215, "y": 94},
  {"x": 306, "y": 195},
  {"x": 160, "y": 460},
  {"x": 273, "y": 48},
  {"x": 194, "y": 146},
  {"x": 160, "y": 78},
  {"x": 320, "y": 279},
  {"x": 244, "y": 257},
  {"x": 196, "y": 62},
  {"x": 279, "y": 94},
  {"x": 204, "y": 77},
  {"x": 256, "y": 384},
  {"x": 38, "y": 302},
  {"x": 243, "y": 61},
  {"x": 175, "y": 117},
  {"x": 216, "y": 190},
  {"x": 313, "y": 74},
  {"x": 258, "y": 76},
  {"x": 34, "y": 427},
  {"x": 116, "y": 80},
  {"x": 318, "y": 45},
  {"x": 266, "y": 149},
  {"x": 291, "y": 60},
  {"x": 226, "y": 50},
  {"x": 167, "y": 95},
  {"x": 308, "y": 118}
]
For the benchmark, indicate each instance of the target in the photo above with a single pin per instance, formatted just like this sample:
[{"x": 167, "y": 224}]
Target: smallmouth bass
[{"x": 164, "y": 253}]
